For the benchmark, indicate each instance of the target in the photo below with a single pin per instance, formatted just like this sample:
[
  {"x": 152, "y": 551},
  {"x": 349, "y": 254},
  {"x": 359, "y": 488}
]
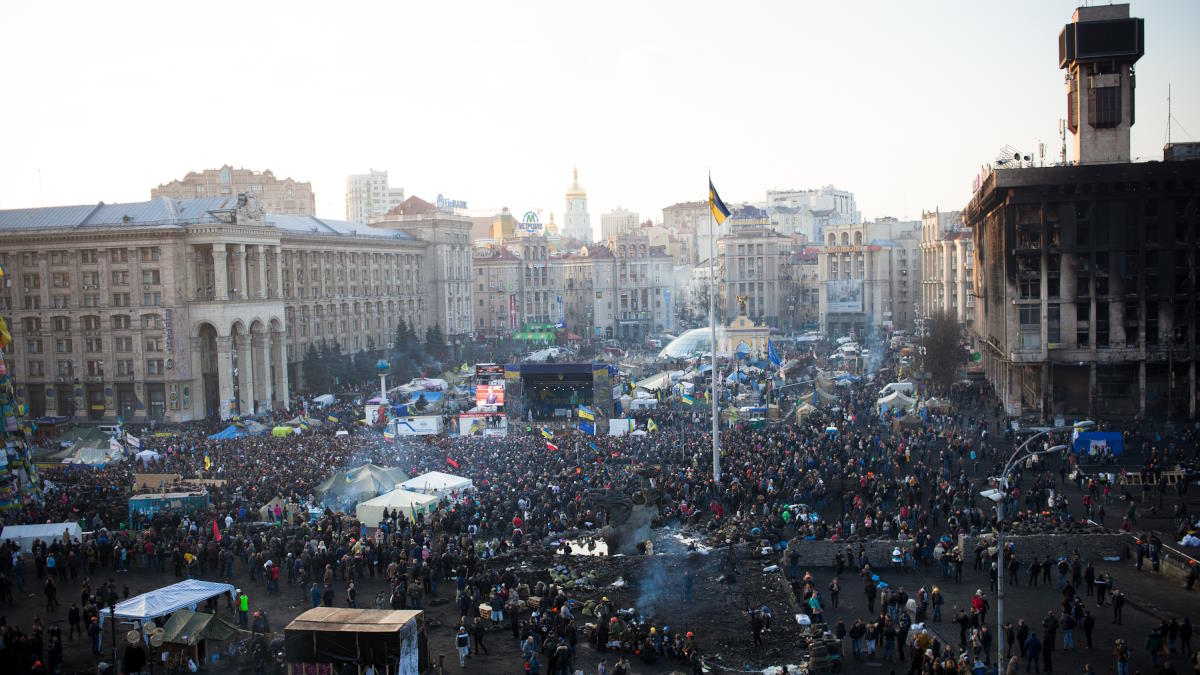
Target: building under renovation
[{"x": 1085, "y": 273}]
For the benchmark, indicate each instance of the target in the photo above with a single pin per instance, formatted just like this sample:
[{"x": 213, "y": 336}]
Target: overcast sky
[{"x": 494, "y": 103}]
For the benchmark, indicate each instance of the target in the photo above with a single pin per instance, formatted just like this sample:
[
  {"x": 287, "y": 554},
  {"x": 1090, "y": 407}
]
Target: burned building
[{"x": 1086, "y": 288}]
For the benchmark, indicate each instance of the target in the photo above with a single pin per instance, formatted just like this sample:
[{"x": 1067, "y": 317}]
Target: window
[
  {"x": 154, "y": 344},
  {"x": 60, "y": 258},
  {"x": 63, "y": 346},
  {"x": 152, "y": 299},
  {"x": 123, "y": 344},
  {"x": 1031, "y": 315},
  {"x": 31, "y": 324},
  {"x": 31, "y": 281},
  {"x": 66, "y": 369},
  {"x": 154, "y": 367},
  {"x": 62, "y": 279},
  {"x": 1104, "y": 107},
  {"x": 36, "y": 369},
  {"x": 91, "y": 300},
  {"x": 120, "y": 321},
  {"x": 91, "y": 280},
  {"x": 119, "y": 278},
  {"x": 91, "y": 323},
  {"x": 33, "y": 346},
  {"x": 61, "y": 301},
  {"x": 61, "y": 323},
  {"x": 1053, "y": 321},
  {"x": 88, "y": 256},
  {"x": 150, "y": 277},
  {"x": 118, "y": 255},
  {"x": 120, "y": 299},
  {"x": 95, "y": 368},
  {"x": 148, "y": 254},
  {"x": 125, "y": 367}
]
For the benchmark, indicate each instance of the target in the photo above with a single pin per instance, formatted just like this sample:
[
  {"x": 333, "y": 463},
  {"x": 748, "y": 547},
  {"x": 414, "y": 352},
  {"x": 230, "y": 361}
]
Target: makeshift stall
[
  {"x": 393, "y": 641},
  {"x": 186, "y": 594},
  {"x": 24, "y": 535},
  {"x": 195, "y": 635},
  {"x": 143, "y": 507},
  {"x": 411, "y": 504},
  {"x": 438, "y": 484},
  {"x": 147, "y": 456}
]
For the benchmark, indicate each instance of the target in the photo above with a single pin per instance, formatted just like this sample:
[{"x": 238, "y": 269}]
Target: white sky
[{"x": 494, "y": 103}]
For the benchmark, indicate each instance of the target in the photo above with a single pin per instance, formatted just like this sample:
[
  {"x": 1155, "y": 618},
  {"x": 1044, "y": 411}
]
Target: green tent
[{"x": 189, "y": 628}]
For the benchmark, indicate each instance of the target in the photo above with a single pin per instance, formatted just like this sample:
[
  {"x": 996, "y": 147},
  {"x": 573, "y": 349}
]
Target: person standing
[
  {"x": 1088, "y": 624},
  {"x": 463, "y": 642},
  {"x": 834, "y": 588},
  {"x": 243, "y": 609},
  {"x": 1121, "y": 653},
  {"x": 1118, "y": 602},
  {"x": 477, "y": 635},
  {"x": 1033, "y": 652}
]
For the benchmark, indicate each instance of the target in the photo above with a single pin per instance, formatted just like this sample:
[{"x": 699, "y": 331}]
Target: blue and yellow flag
[
  {"x": 546, "y": 433},
  {"x": 719, "y": 210},
  {"x": 687, "y": 399},
  {"x": 586, "y": 413},
  {"x": 333, "y": 419},
  {"x": 651, "y": 426}
]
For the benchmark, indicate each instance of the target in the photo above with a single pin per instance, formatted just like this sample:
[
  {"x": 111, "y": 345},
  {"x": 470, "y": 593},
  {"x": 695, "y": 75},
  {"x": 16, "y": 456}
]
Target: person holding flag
[{"x": 651, "y": 426}]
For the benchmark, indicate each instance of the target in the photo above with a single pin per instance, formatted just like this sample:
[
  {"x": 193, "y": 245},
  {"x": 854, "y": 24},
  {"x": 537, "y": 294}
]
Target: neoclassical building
[{"x": 178, "y": 309}]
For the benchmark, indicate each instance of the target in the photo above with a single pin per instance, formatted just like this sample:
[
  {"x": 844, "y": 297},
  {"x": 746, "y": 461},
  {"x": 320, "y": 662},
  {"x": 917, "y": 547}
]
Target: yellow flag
[{"x": 207, "y": 462}]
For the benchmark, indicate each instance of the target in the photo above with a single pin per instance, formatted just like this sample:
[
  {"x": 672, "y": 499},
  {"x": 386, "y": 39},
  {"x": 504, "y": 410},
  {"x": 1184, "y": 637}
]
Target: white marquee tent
[
  {"x": 23, "y": 535},
  {"x": 895, "y": 401},
  {"x": 438, "y": 484},
  {"x": 370, "y": 512},
  {"x": 160, "y": 602}
]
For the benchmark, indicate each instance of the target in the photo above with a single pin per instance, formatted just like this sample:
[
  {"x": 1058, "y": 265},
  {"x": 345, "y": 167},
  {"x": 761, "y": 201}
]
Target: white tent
[
  {"x": 23, "y": 535},
  {"x": 160, "y": 602},
  {"x": 93, "y": 456},
  {"x": 147, "y": 456},
  {"x": 895, "y": 401},
  {"x": 655, "y": 382},
  {"x": 370, "y": 512},
  {"x": 324, "y": 400},
  {"x": 438, "y": 484}
]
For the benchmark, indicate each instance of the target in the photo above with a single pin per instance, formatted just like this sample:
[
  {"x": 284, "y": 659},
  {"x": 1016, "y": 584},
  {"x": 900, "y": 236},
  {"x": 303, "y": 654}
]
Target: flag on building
[
  {"x": 772, "y": 355},
  {"x": 551, "y": 447},
  {"x": 719, "y": 210},
  {"x": 546, "y": 433},
  {"x": 586, "y": 413},
  {"x": 651, "y": 426}
]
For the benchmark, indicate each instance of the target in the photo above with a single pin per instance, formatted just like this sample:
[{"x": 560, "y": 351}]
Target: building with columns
[
  {"x": 180, "y": 309},
  {"x": 947, "y": 261}
]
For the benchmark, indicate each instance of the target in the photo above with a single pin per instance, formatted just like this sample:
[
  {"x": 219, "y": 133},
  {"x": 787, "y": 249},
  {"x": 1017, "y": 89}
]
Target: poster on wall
[{"x": 844, "y": 296}]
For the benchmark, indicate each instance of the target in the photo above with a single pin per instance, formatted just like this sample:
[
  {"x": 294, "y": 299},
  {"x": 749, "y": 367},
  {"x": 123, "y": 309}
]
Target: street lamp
[{"x": 998, "y": 496}]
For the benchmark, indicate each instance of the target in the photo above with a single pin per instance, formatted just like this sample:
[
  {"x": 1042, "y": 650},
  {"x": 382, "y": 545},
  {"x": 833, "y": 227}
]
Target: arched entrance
[{"x": 208, "y": 369}]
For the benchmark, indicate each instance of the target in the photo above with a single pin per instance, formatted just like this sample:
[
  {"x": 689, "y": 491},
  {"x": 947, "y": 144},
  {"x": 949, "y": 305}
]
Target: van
[
  {"x": 111, "y": 429},
  {"x": 891, "y": 387}
]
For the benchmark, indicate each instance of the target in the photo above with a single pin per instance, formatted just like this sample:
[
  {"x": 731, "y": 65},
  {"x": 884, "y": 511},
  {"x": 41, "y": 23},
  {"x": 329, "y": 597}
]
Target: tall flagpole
[{"x": 712, "y": 324}]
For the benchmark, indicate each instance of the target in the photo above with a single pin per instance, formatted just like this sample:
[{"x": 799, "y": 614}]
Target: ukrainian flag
[
  {"x": 333, "y": 419},
  {"x": 586, "y": 413},
  {"x": 651, "y": 426},
  {"x": 546, "y": 433},
  {"x": 687, "y": 399},
  {"x": 719, "y": 210}
]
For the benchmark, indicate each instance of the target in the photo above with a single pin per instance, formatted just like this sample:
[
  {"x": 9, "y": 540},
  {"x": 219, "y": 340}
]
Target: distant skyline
[{"x": 495, "y": 104}]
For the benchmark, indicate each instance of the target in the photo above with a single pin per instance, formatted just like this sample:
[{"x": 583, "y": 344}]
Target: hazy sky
[{"x": 494, "y": 103}]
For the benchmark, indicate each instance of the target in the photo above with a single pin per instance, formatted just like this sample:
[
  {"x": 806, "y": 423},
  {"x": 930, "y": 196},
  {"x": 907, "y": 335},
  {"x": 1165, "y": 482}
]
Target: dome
[
  {"x": 691, "y": 342},
  {"x": 576, "y": 190}
]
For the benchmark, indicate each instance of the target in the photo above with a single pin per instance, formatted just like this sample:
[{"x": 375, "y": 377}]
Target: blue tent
[{"x": 227, "y": 433}]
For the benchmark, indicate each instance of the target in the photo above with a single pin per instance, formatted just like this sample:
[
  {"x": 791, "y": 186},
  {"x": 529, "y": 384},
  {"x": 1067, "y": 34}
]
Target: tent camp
[
  {"x": 227, "y": 433},
  {"x": 360, "y": 483},
  {"x": 92, "y": 456},
  {"x": 393, "y": 641},
  {"x": 147, "y": 456},
  {"x": 438, "y": 484},
  {"x": 411, "y": 504},
  {"x": 24, "y": 535},
  {"x": 300, "y": 420},
  {"x": 186, "y": 594}
]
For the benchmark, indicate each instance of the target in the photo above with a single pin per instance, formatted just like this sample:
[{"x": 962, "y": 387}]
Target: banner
[{"x": 843, "y": 296}]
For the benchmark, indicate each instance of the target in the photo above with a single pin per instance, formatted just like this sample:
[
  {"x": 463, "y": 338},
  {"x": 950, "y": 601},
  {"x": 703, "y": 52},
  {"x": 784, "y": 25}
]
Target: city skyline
[{"x": 644, "y": 109}]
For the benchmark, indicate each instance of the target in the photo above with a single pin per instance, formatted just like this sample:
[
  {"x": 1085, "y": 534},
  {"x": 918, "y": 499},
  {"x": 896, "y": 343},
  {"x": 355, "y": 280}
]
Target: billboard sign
[
  {"x": 844, "y": 296},
  {"x": 530, "y": 223},
  {"x": 489, "y": 394},
  {"x": 487, "y": 371}
]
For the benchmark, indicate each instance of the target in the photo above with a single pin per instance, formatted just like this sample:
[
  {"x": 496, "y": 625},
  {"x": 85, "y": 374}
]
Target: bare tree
[{"x": 944, "y": 353}]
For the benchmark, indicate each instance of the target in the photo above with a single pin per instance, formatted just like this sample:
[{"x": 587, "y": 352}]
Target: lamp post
[{"x": 998, "y": 496}]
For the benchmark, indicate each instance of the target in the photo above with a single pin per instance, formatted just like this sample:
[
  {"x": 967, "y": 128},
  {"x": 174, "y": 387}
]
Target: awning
[{"x": 185, "y": 594}]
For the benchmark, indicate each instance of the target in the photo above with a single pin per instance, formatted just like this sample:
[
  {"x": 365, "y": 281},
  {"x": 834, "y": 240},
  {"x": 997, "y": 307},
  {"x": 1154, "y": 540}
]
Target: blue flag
[{"x": 772, "y": 355}]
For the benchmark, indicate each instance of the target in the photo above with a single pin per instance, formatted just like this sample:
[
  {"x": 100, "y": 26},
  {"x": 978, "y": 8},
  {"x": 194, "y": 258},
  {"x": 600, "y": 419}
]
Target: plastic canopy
[
  {"x": 23, "y": 535},
  {"x": 189, "y": 628},
  {"x": 160, "y": 602},
  {"x": 324, "y": 400},
  {"x": 437, "y": 483},
  {"x": 370, "y": 512},
  {"x": 362, "y": 482},
  {"x": 147, "y": 456},
  {"x": 227, "y": 433}
]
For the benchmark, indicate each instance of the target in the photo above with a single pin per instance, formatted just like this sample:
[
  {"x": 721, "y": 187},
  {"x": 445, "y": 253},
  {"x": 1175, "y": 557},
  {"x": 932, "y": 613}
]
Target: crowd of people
[{"x": 916, "y": 484}]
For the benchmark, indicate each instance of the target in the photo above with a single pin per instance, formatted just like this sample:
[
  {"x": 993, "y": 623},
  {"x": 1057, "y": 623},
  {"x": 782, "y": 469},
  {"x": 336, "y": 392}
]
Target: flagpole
[{"x": 712, "y": 324}]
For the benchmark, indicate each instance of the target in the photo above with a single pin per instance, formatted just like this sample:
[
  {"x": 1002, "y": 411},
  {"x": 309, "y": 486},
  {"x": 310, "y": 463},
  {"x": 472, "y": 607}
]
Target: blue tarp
[
  {"x": 429, "y": 396},
  {"x": 1085, "y": 441},
  {"x": 227, "y": 433}
]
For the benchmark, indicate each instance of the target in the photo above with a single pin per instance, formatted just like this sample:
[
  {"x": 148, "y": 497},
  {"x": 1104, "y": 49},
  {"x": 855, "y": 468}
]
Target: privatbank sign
[{"x": 450, "y": 204}]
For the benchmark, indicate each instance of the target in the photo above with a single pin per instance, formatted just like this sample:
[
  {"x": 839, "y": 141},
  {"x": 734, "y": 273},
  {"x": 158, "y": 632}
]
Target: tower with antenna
[{"x": 1098, "y": 50}]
